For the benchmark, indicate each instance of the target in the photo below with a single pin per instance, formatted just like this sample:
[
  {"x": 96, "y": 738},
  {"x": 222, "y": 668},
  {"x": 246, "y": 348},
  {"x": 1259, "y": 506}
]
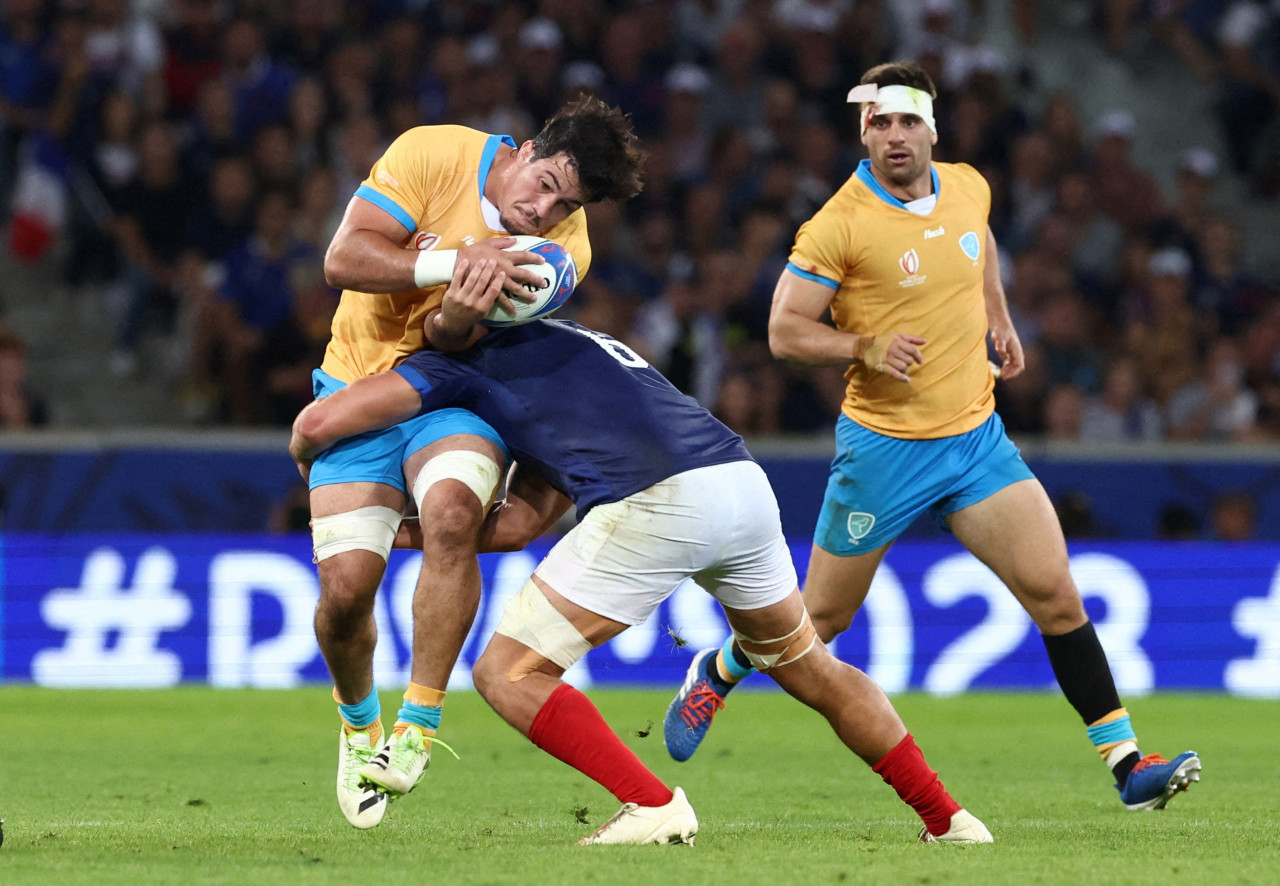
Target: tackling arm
[
  {"x": 377, "y": 401},
  {"x": 530, "y": 508}
]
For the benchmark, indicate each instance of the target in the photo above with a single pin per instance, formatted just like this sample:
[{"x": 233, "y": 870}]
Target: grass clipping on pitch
[{"x": 204, "y": 786}]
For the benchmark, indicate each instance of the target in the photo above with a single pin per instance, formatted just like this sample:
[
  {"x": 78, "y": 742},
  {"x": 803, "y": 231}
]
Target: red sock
[
  {"x": 569, "y": 728},
  {"x": 905, "y": 770}
]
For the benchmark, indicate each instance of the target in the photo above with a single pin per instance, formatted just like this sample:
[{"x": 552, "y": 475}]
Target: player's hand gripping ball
[{"x": 559, "y": 274}]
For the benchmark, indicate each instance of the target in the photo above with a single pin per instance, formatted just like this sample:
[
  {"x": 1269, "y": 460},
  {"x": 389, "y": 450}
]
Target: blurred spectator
[
  {"x": 1248, "y": 39},
  {"x": 26, "y": 81},
  {"x": 152, "y": 234},
  {"x": 1216, "y": 406},
  {"x": 191, "y": 52},
  {"x": 685, "y": 126},
  {"x": 1075, "y": 513},
  {"x": 259, "y": 85},
  {"x": 1064, "y": 412},
  {"x": 1070, "y": 352},
  {"x": 684, "y": 340},
  {"x": 294, "y": 346},
  {"x": 20, "y": 406},
  {"x": 540, "y": 62},
  {"x": 233, "y": 326},
  {"x": 1020, "y": 400},
  {"x": 1121, "y": 411},
  {"x": 1094, "y": 242},
  {"x": 1123, "y": 190},
  {"x": 1234, "y": 517},
  {"x": 1177, "y": 522}
]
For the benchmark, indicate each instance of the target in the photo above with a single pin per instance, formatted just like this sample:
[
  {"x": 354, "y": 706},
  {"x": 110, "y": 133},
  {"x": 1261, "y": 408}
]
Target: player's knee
[
  {"x": 488, "y": 676},
  {"x": 452, "y": 520},
  {"x": 769, "y": 655},
  {"x": 830, "y": 623},
  {"x": 473, "y": 477},
  {"x": 1054, "y": 603}
]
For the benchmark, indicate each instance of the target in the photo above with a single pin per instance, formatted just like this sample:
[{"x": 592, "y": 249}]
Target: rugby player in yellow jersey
[
  {"x": 903, "y": 259},
  {"x": 440, "y": 197}
]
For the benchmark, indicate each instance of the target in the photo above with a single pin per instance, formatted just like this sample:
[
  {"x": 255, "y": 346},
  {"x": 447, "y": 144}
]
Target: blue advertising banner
[{"x": 142, "y": 610}]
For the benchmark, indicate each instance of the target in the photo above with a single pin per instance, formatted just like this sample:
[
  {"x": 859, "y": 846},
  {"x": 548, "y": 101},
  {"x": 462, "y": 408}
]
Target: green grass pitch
[{"x": 197, "y": 785}]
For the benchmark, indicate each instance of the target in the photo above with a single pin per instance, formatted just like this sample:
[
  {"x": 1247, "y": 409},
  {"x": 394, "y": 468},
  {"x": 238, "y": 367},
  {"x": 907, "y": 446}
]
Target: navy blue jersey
[{"x": 578, "y": 408}]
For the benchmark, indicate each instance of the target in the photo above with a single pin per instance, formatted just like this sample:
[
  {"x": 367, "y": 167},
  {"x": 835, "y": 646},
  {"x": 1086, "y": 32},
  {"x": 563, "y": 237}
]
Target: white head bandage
[{"x": 877, "y": 100}]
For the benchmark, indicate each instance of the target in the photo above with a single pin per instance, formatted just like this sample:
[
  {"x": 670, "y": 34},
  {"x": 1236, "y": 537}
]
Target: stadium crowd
[{"x": 195, "y": 158}]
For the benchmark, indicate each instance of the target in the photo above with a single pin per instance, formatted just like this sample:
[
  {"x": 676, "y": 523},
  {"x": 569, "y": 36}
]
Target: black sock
[
  {"x": 712, "y": 672},
  {"x": 739, "y": 656},
  {"x": 1122, "y": 769},
  {"x": 1083, "y": 673}
]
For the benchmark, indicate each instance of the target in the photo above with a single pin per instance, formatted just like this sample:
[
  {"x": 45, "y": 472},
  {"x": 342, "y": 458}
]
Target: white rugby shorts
[{"x": 718, "y": 525}]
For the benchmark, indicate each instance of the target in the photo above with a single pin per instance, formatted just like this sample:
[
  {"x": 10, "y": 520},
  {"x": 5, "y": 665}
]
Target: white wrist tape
[{"x": 434, "y": 267}]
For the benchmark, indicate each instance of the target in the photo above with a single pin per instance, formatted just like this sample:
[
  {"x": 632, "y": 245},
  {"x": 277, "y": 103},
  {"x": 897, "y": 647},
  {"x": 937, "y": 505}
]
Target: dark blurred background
[{"x": 171, "y": 173}]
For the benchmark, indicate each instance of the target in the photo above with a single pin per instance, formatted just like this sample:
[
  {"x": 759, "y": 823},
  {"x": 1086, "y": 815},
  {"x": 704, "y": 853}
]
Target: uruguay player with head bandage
[
  {"x": 903, "y": 261},
  {"x": 664, "y": 492}
]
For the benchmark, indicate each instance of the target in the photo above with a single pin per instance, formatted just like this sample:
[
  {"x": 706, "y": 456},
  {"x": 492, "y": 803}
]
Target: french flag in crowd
[{"x": 39, "y": 208}]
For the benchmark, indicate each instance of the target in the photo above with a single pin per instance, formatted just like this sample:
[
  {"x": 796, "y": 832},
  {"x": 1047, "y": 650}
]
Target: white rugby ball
[{"x": 559, "y": 276}]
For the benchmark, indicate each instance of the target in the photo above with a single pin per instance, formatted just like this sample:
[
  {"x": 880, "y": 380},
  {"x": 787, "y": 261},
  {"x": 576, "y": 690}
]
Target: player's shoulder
[
  {"x": 443, "y": 138},
  {"x": 962, "y": 174}
]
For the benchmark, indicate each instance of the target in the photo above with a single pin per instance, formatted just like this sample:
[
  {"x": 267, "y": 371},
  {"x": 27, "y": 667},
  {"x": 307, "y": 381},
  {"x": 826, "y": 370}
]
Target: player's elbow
[
  {"x": 782, "y": 340},
  {"x": 312, "y": 428},
  {"x": 337, "y": 267}
]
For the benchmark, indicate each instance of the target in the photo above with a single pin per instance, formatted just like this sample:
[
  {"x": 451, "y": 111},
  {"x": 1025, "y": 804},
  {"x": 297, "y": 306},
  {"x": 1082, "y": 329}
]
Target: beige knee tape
[
  {"x": 481, "y": 474},
  {"x": 765, "y": 655},
  {"x": 530, "y": 619},
  {"x": 364, "y": 529}
]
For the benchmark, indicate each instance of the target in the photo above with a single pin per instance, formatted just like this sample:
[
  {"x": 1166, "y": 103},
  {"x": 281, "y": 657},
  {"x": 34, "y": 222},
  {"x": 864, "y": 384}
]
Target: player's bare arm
[
  {"x": 367, "y": 254},
  {"x": 529, "y": 509},
  {"x": 1003, "y": 336},
  {"x": 455, "y": 325},
  {"x": 374, "y": 402},
  {"x": 797, "y": 333}
]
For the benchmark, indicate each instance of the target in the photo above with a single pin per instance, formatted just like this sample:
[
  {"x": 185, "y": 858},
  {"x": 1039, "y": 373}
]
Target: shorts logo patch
[
  {"x": 970, "y": 245},
  {"x": 859, "y": 524}
]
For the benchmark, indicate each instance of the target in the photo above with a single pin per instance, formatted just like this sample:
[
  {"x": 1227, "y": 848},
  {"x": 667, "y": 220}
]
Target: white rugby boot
[
  {"x": 362, "y": 804},
  {"x": 673, "y": 823},
  {"x": 400, "y": 764},
  {"x": 965, "y": 828}
]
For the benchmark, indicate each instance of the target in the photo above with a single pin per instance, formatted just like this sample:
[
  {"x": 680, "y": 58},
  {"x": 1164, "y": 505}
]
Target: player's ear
[
  {"x": 525, "y": 151},
  {"x": 933, "y": 137}
]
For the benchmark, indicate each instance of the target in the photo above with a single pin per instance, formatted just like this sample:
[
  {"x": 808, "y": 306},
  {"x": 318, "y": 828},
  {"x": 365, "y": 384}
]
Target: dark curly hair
[{"x": 600, "y": 145}]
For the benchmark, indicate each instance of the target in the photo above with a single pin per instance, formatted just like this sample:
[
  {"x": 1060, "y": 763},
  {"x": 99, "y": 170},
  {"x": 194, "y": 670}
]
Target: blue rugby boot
[
  {"x": 690, "y": 712},
  {"x": 1154, "y": 781}
]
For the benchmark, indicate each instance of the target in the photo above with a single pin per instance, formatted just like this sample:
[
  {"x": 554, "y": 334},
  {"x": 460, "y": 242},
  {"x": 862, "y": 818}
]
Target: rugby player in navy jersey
[{"x": 664, "y": 492}]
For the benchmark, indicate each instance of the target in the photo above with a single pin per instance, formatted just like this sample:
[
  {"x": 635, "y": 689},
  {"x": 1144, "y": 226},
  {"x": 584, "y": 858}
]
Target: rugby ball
[{"x": 559, "y": 276}]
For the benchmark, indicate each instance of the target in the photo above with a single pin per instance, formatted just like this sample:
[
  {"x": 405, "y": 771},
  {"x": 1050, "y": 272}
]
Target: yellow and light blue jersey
[
  {"x": 893, "y": 271},
  {"x": 431, "y": 180}
]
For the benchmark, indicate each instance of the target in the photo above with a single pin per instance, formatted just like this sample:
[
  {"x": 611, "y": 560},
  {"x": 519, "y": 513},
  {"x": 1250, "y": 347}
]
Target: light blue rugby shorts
[
  {"x": 879, "y": 485},
  {"x": 378, "y": 456}
]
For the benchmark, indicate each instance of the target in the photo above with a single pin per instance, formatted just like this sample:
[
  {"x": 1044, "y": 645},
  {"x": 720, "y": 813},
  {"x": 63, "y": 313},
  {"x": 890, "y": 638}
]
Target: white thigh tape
[
  {"x": 531, "y": 619},
  {"x": 477, "y": 471},
  {"x": 365, "y": 529}
]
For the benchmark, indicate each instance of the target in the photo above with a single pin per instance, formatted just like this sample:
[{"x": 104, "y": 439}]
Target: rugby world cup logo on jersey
[
  {"x": 424, "y": 240},
  {"x": 910, "y": 264}
]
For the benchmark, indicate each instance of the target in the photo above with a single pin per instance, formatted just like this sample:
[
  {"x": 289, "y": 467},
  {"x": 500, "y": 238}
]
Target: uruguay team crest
[
  {"x": 970, "y": 245},
  {"x": 859, "y": 524}
]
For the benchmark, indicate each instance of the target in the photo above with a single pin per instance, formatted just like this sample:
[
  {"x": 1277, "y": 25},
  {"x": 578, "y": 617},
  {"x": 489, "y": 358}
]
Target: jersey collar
[
  {"x": 487, "y": 209},
  {"x": 863, "y": 172}
]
